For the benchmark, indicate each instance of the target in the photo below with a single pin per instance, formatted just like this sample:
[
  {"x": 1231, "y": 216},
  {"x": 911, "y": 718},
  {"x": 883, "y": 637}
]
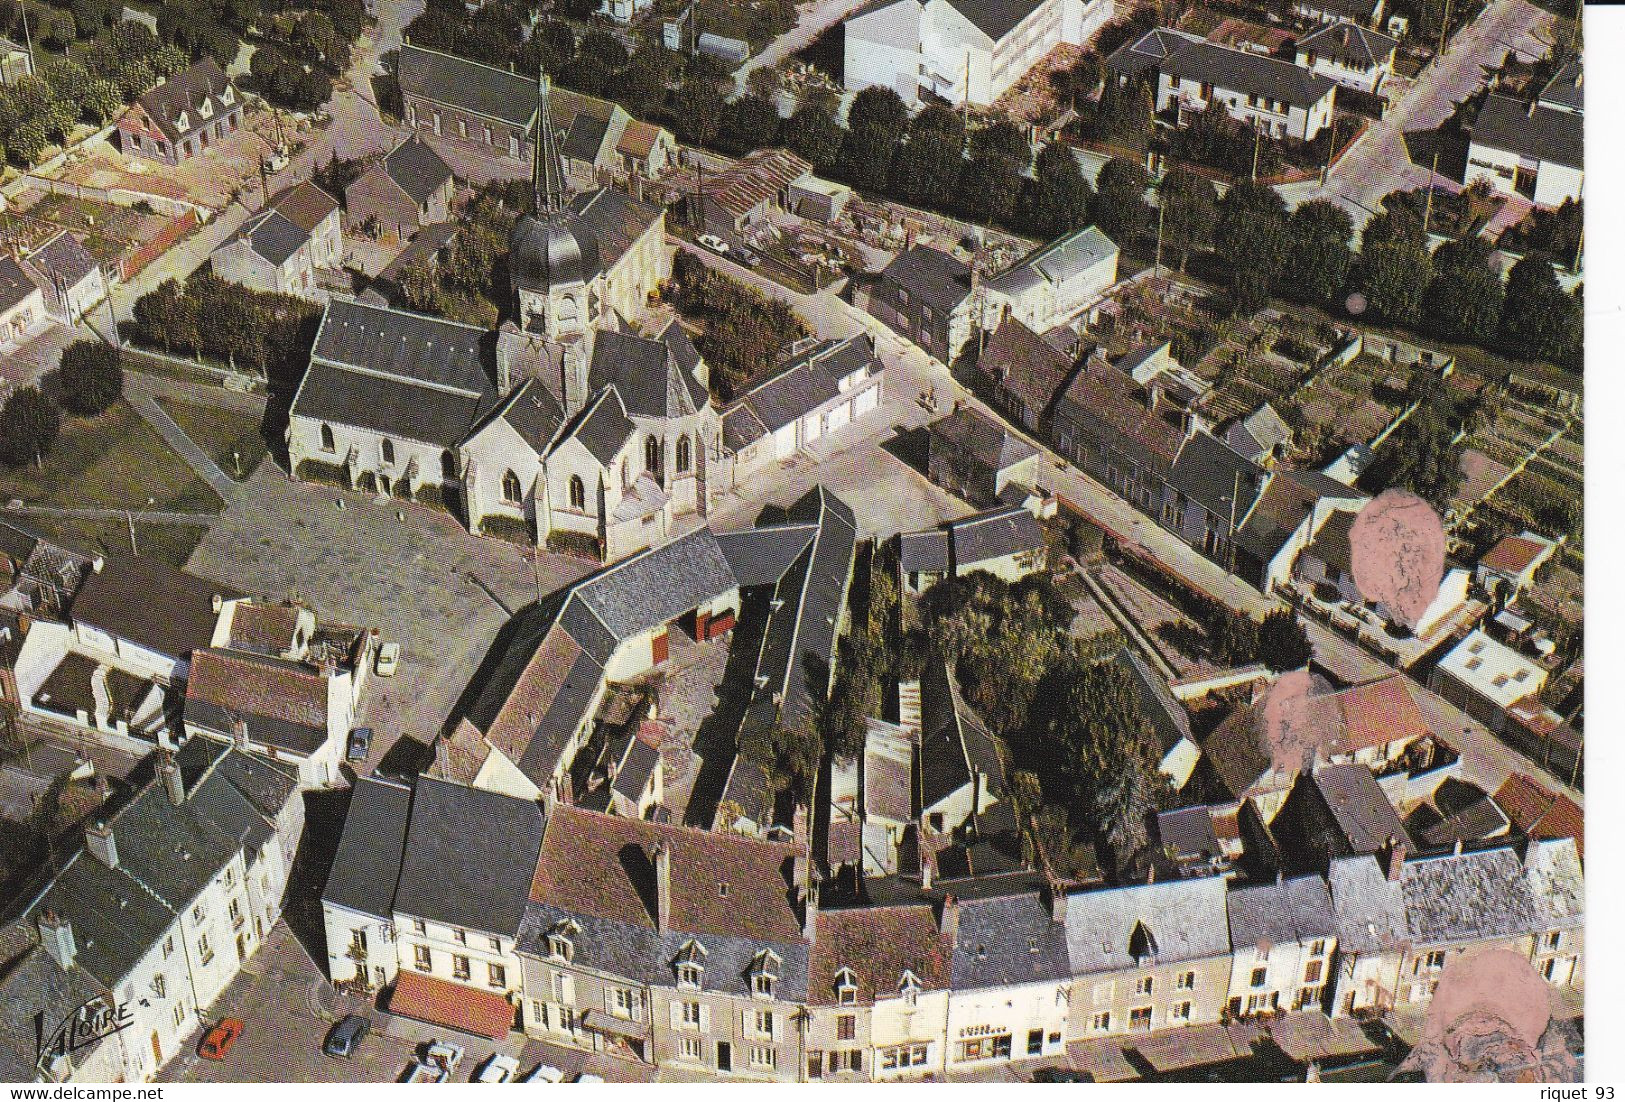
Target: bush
[
  {"x": 91, "y": 377},
  {"x": 29, "y": 422}
]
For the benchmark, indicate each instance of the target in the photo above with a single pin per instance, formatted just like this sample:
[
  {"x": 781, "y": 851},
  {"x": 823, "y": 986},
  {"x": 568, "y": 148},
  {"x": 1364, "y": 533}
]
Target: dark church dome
[{"x": 553, "y": 250}]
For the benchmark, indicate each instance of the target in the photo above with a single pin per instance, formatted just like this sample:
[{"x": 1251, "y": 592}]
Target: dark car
[
  {"x": 360, "y": 744},
  {"x": 342, "y": 1038},
  {"x": 1062, "y": 1075}
]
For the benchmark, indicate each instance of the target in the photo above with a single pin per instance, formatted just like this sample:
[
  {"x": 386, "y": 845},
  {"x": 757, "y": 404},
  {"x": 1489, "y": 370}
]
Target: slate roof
[
  {"x": 1186, "y": 920},
  {"x": 804, "y": 383},
  {"x": 984, "y": 440},
  {"x": 31, "y": 982},
  {"x": 534, "y": 414},
  {"x": 416, "y": 168},
  {"x": 1165, "y": 714},
  {"x": 1556, "y": 881},
  {"x": 1260, "y": 432},
  {"x": 1469, "y": 897},
  {"x": 657, "y": 585},
  {"x": 1291, "y": 910},
  {"x": 953, "y": 741},
  {"x": 1112, "y": 410},
  {"x": 1191, "y": 58},
  {"x": 983, "y": 536},
  {"x": 1567, "y": 86},
  {"x": 636, "y": 767},
  {"x": 1458, "y": 811},
  {"x": 932, "y": 277},
  {"x": 272, "y": 237},
  {"x": 1331, "y": 544},
  {"x": 1542, "y": 134},
  {"x": 996, "y": 18},
  {"x": 15, "y": 284},
  {"x": 1216, "y": 478},
  {"x": 1188, "y": 832},
  {"x": 604, "y": 427},
  {"x": 62, "y": 260},
  {"x": 468, "y": 85},
  {"x": 1368, "y": 907},
  {"x": 1025, "y": 364},
  {"x": 1055, "y": 262},
  {"x": 877, "y": 945},
  {"x": 148, "y": 603},
  {"x": 1350, "y": 42},
  {"x": 185, "y": 93},
  {"x": 305, "y": 205},
  {"x": 283, "y": 703},
  {"x": 646, "y": 373},
  {"x": 445, "y": 878},
  {"x": 367, "y": 864},
  {"x": 1359, "y": 806},
  {"x": 616, "y": 219},
  {"x": 923, "y": 552},
  {"x": 1008, "y": 939},
  {"x": 1235, "y": 752},
  {"x": 1288, "y": 498},
  {"x": 760, "y": 556}
]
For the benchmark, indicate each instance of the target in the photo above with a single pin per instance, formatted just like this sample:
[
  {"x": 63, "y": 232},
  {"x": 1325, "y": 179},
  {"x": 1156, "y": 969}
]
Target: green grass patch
[
  {"x": 169, "y": 543},
  {"x": 113, "y": 461},
  {"x": 229, "y": 438}
]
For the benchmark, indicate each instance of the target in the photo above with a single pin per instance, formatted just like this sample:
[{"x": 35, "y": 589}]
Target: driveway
[{"x": 812, "y": 21}]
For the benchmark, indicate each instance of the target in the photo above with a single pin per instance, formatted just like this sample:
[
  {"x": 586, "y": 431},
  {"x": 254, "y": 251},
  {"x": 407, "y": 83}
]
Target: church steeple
[{"x": 547, "y": 168}]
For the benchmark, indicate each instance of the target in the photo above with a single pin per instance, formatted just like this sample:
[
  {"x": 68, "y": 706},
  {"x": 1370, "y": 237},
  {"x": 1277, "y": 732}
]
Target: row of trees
[
  {"x": 743, "y": 329},
  {"x": 242, "y": 328},
  {"x": 90, "y": 380}
]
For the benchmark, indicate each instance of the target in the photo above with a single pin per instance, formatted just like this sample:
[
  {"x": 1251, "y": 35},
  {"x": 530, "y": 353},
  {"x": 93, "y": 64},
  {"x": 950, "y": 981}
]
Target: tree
[
  {"x": 1283, "y": 644},
  {"x": 604, "y": 47},
  {"x": 91, "y": 377},
  {"x": 1189, "y": 212},
  {"x": 101, "y": 100},
  {"x": 925, "y": 171},
  {"x": 987, "y": 189},
  {"x": 1463, "y": 300},
  {"x": 556, "y": 43},
  {"x": 1392, "y": 275},
  {"x": 1251, "y": 238},
  {"x": 876, "y": 125},
  {"x": 748, "y": 123},
  {"x": 166, "y": 316},
  {"x": 29, "y": 141},
  {"x": 1125, "y": 115},
  {"x": 168, "y": 59},
  {"x": 1004, "y": 145},
  {"x": 1119, "y": 208},
  {"x": 1316, "y": 262},
  {"x": 1423, "y": 454},
  {"x": 1075, "y": 86},
  {"x": 29, "y": 422},
  {"x": 1056, "y": 200},
  {"x": 1539, "y": 321},
  {"x": 697, "y": 111},
  {"x": 642, "y": 85},
  {"x": 763, "y": 81},
  {"x": 813, "y": 132}
]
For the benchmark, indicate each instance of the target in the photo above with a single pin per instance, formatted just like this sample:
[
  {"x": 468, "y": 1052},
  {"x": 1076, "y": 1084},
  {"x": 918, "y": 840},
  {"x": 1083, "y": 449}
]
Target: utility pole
[
  {"x": 112, "y": 315},
  {"x": 1258, "y": 137},
  {"x": 1427, "y": 207},
  {"x": 1579, "y": 247},
  {"x": 28, "y": 40},
  {"x": 1158, "y": 272},
  {"x": 1331, "y": 151},
  {"x": 1444, "y": 29}
]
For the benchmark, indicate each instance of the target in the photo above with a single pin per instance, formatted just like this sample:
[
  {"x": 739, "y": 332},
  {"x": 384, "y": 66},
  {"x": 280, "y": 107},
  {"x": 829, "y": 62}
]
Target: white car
[
  {"x": 389, "y": 659},
  {"x": 714, "y": 243},
  {"x": 543, "y": 1073},
  {"x": 498, "y": 1069}
]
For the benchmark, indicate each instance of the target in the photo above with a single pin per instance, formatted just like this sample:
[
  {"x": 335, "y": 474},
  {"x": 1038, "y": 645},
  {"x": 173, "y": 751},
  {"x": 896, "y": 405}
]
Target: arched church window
[
  {"x": 512, "y": 491},
  {"x": 683, "y": 454},
  {"x": 578, "y": 492}
]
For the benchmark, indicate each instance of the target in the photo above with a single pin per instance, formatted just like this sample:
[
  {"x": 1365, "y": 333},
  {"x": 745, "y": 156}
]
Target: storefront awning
[
  {"x": 483, "y": 1013},
  {"x": 601, "y": 1022}
]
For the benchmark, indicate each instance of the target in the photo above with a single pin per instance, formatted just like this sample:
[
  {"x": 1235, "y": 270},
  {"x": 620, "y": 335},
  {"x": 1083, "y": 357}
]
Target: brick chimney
[
  {"x": 950, "y": 919},
  {"x": 1057, "y": 901},
  {"x": 56, "y": 938},
  {"x": 239, "y": 733},
  {"x": 99, "y": 841},
  {"x": 174, "y": 784},
  {"x": 1393, "y": 858},
  {"x": 661, "y": 860}
]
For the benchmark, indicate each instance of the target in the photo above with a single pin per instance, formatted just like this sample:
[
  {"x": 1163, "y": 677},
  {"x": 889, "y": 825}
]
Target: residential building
[
  {"x": 1011, "y": 973},
  {"x": 15, "y": 62},
  {"x": 403, "y": 191},
  {"x": 358, "y": 900},
  {"x": 68, "y": 277},
  {"x": 1278, "y": 98},
  {"x": 1509, "y": 568},
  {"x": 1364, "y": 13},
  {"x": 22, "y": 304},
  {"x": 1335, "y": 811},
  {"x": 979, "y": 460},
  {"x": 1006, "y": 542},
  {"x": 623, "y": 11},
  {"x": 1487, "y": 679},
  {"x": 1054, "y": 283},
  {"x": 1170, "y": 722},
  {"x": 1298, "y": 531},
  {"x": 1261, "y": 436},
  {"x": 1023, "y": 374},
  {"x": 1537, "y": 813},
  {"x": 281, "y": 248},
  {"x": 1148, "y": 957},
  {"x": 925, "y": 296},
  {"x": 1284, "y": 937},
  {"x": 1534, "y": 150},
  {"x": 182, "y": 115},
  {"x": 1350, "y": 54},
  {"x": 958, "y": 51}
]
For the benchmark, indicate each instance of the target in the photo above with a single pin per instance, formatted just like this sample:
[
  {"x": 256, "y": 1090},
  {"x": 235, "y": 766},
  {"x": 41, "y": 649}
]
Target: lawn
[
  {"x": 229, "y": 438},
  {"x": 168, "y": 543},
  {"x": 114, "y": 461}
]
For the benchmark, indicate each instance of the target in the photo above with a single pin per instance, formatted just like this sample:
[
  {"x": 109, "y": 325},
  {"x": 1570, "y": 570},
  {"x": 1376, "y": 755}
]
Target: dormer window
[
  {"x": 690, "y": 966},
  {"x": 846, "y": 987},
  {"x": 764, "y": 974},
  {"x": 1142, "y": 945},
  {"x": 909, "y": 988},
  {"x": 206, "y": 108},
  {"x": 561, "y": 941},
  {"x": 227, "y": 96},
  {"x": 183, "y": 122}
]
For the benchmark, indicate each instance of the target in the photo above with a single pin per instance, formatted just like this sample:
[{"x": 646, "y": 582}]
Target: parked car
[
  {"x": 389, "y": 659},
  {"x": 498, "y": 1068},
  {"x": 344, "y": 1037},
  {"x": 714, "y": 243},
  {"x": 589, "y": 1077},
  {"x": 440, "y": 1060},
  {"x": 360, "y": 744},
  {"x": 750, "y": 258},
  {"x": 218, "y": 1041},
  {"x": 542, "y": 1073}
]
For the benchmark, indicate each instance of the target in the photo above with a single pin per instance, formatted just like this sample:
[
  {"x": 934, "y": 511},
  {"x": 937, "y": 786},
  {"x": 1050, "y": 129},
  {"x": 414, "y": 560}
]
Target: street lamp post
[{"x": 130, "y": 521}]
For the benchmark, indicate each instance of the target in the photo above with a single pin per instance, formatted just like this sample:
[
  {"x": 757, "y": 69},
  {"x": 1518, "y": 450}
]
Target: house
[
  {"x": 1261, "y": 436},
  {"x": 1213, "y": 491},
  {"x": 1297, "y": 530},
  {"x": 819, "y": 388},
  {"x": 1335, "y": 811},
  {"x": 623, "y": 11},
  {"x": 405, "y": 190},
  {"x": 1354, "y": 56},
  {"x": 430, "y": 247},
  {"x": 1011, "y": 972},
  {"x": 675, "y": 947},
  {"x": 1054, "y": 283},
  {"x": 16, "y": 62},
  {"x": 22, "y": 304},
  {"x": 68, "y": 277},
  {"x": 1188, "y": 845},
  {"x": 148, "y": 616},
  {"x": 1006, "y": 542},
  {"x": 158, "y": 909},
  {"x": 458, "y": 909},
  {"x": 1169, "y": 721},
  {"x": 922, "y": 559},
  {"x": 179, "y": 118},
  {"x": 1509, "y": 568},
  {"x": 819, "y": 199},
  {"x": 600, "y": 139},
  {"x": 958, "y": 51},
  {"x": 1148, "y": 957},
  {"x": 1363, "y": 13},
  {"x": 358, "y": 899},
  {"x": 1023, "y": 374},
  {"x": 1120, "y": 433},
  {"x": 1456, "y": 811},
  {"x": 959, "y": 770},
  {"x": 1534, "y": 150},
  {"x": 739, "y": 200},
  {"x": 925, "y": 296},
  {"x": 1540, "y": 814},
  {"x": 978, "y": 459},
  {"x": 1486, "y": 679},
  {"x": 1278, "y": 98},
  {"x": 280, "y": 249},
  {"x": 877, "y": 993},
  {"x": 1284, "y": 937},
  {"x": 37, "y": 577}
]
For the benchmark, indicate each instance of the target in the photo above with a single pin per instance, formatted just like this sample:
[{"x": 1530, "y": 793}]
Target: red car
[{"x": 219, "y": 1040}]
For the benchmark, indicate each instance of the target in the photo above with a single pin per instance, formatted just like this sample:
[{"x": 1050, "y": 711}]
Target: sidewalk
[{"x": 153, "y": 414}]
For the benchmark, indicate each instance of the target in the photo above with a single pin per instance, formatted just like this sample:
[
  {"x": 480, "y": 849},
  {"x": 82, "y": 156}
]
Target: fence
[{"x": 148, "y": 251}]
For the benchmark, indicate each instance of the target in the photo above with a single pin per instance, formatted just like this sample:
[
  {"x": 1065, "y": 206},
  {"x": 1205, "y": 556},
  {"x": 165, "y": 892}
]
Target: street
[{"x": 810, "y": 23}]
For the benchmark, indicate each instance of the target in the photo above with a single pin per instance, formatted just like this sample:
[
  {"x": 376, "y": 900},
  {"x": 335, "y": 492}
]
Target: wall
[
  {"x": 983, "y": 1015},
  {"x": 1205, "y": 984}
]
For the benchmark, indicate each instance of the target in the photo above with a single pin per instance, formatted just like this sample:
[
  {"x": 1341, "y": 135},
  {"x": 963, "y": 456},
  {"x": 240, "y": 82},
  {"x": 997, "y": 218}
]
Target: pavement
[
  {"x": 811, "y": 22},
  {"x": 164, "y": 425}
]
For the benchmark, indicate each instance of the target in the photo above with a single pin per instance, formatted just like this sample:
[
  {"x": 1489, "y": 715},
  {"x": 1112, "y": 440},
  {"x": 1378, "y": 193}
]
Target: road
[
  {"x": 1380, "y": 163},
  {"x": 810, "y": 23}
]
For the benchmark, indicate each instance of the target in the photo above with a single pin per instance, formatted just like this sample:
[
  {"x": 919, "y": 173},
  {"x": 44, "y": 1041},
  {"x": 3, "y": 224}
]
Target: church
[{"x": 570, "y": 424}]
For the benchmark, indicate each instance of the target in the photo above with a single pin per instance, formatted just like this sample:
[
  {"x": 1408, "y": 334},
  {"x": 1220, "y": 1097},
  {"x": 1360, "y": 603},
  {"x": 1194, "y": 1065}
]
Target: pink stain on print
[
  {"x": 1490, "y": 1021},
  {"x": 1396, "y": 547},
  {"x": 1294, "y": 722}
]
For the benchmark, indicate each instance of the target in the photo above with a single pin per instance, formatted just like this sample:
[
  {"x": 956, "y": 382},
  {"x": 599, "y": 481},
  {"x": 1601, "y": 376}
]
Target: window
[
  {"x": 180, "y": 1014},
  {"x": 460, "y": 969},
  {"x": 459, "y": 936},
  {"x": 764, "y": 1023},
  {"x": 424, "y": 959},
  {"x": 688, "y": 1048},
  {"x": 578, "y": 493},
  {"x": 235, "y": 912},
  {"x": 910, "y": 989},
  {"x": 498, "y": 975},
  {"x": 1035, "y": 1042},
  {"x": 199, "y": 914},
  {"x": 1553, "y": 940},
  {"x": 1263, "y": 952},
  {"x": 387, "y": 448},
  {"x": 1259, "y": 976},
  {"x": 688, "y": 975},
  {"x": 448, "y": 464},
  {"x": 1102, "y": 1022},
  {"x": 538, "y": 1012},
  {"x": 1318, "y": 949},
  {"x": 691, "y": 1014},
  {"x": 1435, "y": 960},
  {"x": 684, "y": 454},
  {"x": 846, "y": 1027},
  {"x": 763, "y": 1056},
  {"x": 846, "y": 987},
  {"x": 158, "y": 986},
  {"x": 559, "y": 946},
  {"x": 1139, "y": 1017},
  {"x": 205, "y": 954},
  {"x": 512, "y": 491},
  {"x": 1185, "y": 981},
  {"x": 905, "y": 1056},
  {"x": 169, "y": 946},
  {"x": 1179, "y": 1012},
  {"x": 419, "y": 926},
  {"x": 762, "y": 986},
  {"x": 495, "y": 944},
  {"x": 651, "y": 454},
  {"x": 1143, "y": 985},
  {"x": 1311, "y": 974}
]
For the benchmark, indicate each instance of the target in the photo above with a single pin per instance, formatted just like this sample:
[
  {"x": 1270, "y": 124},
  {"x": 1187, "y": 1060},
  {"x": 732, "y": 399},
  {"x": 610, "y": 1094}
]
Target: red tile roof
[
  {"x": 260, "y": 686},
  {"x": 1105, "y": 395},
  {"x": 1539, "y": 813},
  {"x": 602, "y": 865},
  {"x": 1025, "y": 364},
  {"x": 483, "y": 1013},
  {"x": 1379, "y": 712},
  {"x": 1512, "y": 555},
  {"x": 878, "y": 944}
]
